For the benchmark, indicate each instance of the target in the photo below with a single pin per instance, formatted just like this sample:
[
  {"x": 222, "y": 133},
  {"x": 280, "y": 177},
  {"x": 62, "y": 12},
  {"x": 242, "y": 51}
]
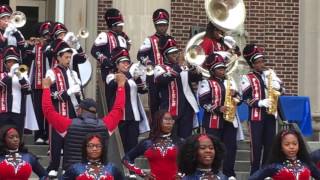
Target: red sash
[
  {"x": 173, "y": 95},
  {"x": 1, "y": 62},
  {"x": 216, "y": 101},
  {"x": 38, "y": 67},
  {"x": 3, "y": 97},
  {"x": 256, "y": 95},
  {"x": 158, "y": 59},
  {"x": 61, "y": 86},
  {"x": 112, "y": 41}
]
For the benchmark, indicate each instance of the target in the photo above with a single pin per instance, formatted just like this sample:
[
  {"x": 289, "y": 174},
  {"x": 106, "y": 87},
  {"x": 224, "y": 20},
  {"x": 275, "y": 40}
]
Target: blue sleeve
[
  {"x": 37, "y": 168},
  {"x": 71, "y": 172},
  {"x": 267, "y": 171},
  {"x": 116, "y": 173}
]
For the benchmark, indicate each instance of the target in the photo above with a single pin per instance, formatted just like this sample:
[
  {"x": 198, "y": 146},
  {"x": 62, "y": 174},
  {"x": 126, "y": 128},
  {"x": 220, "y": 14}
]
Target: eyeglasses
[{"x": 91, "y": 146}]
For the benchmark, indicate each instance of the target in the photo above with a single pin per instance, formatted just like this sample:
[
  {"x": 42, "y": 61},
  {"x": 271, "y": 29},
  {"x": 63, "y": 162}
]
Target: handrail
[{"x": 116, "y": 132}]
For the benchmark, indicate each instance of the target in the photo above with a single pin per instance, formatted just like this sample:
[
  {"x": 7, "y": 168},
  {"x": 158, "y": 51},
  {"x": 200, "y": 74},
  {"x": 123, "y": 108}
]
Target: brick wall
[
  {"x": 270, "y": 23},
  {"x": 103, "y": 5}
]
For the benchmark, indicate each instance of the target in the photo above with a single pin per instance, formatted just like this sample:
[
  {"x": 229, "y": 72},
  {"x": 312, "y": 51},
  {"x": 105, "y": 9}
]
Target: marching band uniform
[
  {"x": 287, "y": 170},
  {"x": 39, "y": 64},
  {"x": 149, "y": 54},
  {"x": 84, "y": 171},
  {"x": 210, "y": 44},
  {"x": 212, "y": 94},
  {"x": 161, "y": 154},
  {"x": 9, "y": 35},
  {"x": 13, "y": 91},
  {"x": 135, "y": 119},
  {"x": 59, "y": 31},
  {"x": 254, "y": 92},
  {"x": 107, "y": 41},
  {"x": 65, "y": 95},
  {"x": 19, "y": 166},
  {"x": 175, "y": 89}
]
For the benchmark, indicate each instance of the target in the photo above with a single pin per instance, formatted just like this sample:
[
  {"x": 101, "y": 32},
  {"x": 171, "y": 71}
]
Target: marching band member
[
  {"x": 174, "y": 87},
  {"x": 149, "y": 54},
  {"x": 13, "y": 88},
  {"x": 212, "y": 97},
  {"x": 289, "y": 159},
  {"x": 107, "y": 41},
  {"x": 254, "y": 91},
  {"x": 35, "y": 55},
  {"x": 58, "y": 32},
  {"x": 9, "y": 34},
  {"x": 15, "y": 161},
  {"x": 213, "y": 40},
  {"x": 135, "y": 119},
  {"x": 161, "y": 150},
  {"x": 66, "y": 90}
]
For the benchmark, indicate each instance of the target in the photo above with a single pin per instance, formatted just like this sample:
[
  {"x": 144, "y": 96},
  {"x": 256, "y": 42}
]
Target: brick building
[{"x": 273, "y": 24}]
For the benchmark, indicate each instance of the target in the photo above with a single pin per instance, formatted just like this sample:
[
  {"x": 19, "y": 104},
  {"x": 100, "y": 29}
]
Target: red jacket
[{"x": 61, "y": 123}]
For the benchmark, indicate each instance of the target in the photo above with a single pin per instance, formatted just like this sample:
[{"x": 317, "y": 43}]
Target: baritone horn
[{"x": 18, "y": 19}]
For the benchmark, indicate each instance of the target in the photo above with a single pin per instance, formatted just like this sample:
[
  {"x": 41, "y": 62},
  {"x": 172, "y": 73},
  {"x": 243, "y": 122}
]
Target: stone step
[
  {"x": 38, "y": 150},
  {"x": 242, "y": 155}
]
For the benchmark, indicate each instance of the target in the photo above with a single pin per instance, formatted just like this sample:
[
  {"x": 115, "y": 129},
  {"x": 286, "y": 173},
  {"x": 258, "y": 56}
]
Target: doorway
[{"x": 35, "y": 11}]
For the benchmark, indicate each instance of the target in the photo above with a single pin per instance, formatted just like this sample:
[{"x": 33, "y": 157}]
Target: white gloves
[
  {"x": 13, "y": 69},
  {"x": 264, "y": 103},
  {"x": 9, "y": 30},
  {"x": 74, "y": 89},
  {"x": 136, "y": 73},
  {"x": 275, "y": 85},
  {"x": 229, "y": 41}
]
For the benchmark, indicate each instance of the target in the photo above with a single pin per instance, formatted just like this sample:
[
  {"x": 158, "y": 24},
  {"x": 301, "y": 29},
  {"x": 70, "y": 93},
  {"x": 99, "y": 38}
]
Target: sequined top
[
  {"x": 19, "y": 166},
  {"x": 92, "y": 171},
  {"x": 202, "y": 174},
  {"x": 161, "y": 155},
  {"x": 287, "y": 170}
]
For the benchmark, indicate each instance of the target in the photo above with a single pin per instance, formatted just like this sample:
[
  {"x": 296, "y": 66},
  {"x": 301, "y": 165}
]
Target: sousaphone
[{"x": 226, "y": 15}]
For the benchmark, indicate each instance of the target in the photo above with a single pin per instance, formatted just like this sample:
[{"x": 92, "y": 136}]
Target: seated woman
[
  {"x": 94, "y": 162},
  {"x": 15, "y": 161},
  {"x": 289, "y": 159},
  {"x": 200, "y": 157},
  {"x": 160, "y": 148}
]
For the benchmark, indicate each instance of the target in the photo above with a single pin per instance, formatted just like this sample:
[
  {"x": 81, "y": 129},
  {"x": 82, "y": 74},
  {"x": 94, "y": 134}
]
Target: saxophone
[
  {"x": 230, "y": 103},
  {"x": 273, "y": 95}
]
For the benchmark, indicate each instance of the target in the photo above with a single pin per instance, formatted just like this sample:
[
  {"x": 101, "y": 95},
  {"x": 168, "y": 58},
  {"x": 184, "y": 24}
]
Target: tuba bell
[
  {"x": 227, "y": 15},
  {"x": 18, "y": 19}
]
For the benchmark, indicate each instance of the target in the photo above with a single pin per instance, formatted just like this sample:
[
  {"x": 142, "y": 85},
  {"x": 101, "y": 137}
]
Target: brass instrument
[
  {"x": 227, "y": 15},
  {"x": 18, "y": 19},
  {"x": 83, "y": 33},
  {"x": 273, "y": 95},
  {"x": 230, "y": 103}
]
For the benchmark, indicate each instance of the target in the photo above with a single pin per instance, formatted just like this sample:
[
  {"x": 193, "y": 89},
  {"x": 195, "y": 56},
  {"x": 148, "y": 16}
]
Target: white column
[
  {"x": 60, "y": 11},
  {"x": 309, "y": 53}
]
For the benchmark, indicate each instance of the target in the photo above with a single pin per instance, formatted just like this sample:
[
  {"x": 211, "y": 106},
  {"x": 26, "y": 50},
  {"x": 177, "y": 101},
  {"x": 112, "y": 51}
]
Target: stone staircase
[{"x": 242, "y": 165}]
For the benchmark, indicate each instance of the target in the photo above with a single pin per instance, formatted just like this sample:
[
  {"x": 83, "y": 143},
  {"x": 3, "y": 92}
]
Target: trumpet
[
  {"x": 18, "y": 19},
  {"x": 83, "y": 33},
  {"x": 22, "y": 70}
]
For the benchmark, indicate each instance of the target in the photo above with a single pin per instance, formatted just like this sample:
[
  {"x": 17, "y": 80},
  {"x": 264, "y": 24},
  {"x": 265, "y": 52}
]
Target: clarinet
[{"x": 75, "y": 82}]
